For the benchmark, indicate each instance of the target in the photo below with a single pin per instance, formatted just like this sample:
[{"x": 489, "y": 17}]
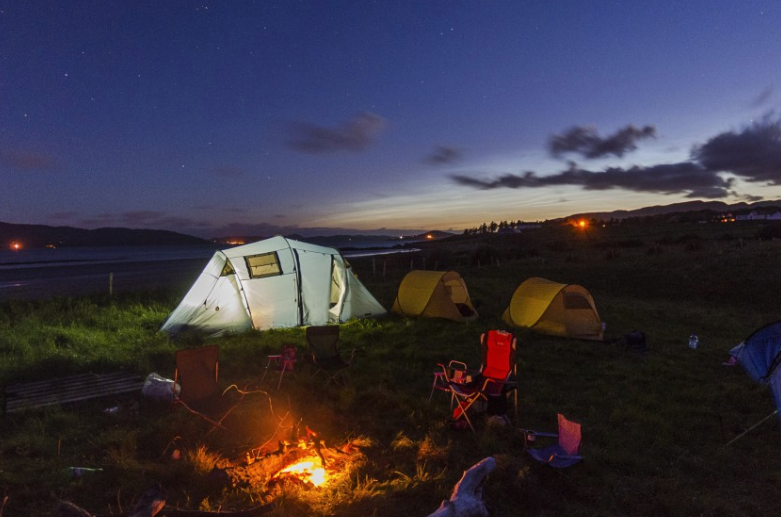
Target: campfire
[
  {"x": 307, "y": 462},
  {"x": 307, "y": 471}
]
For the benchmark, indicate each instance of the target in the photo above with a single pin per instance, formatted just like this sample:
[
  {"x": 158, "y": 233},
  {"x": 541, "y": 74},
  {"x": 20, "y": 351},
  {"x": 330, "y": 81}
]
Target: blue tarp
[{"x": 759, "y": 355}]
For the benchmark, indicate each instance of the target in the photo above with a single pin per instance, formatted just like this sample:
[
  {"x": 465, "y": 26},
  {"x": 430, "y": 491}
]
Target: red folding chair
[
  {"x": 454, "y": 371},
  {"x": 495, "y": 380}
]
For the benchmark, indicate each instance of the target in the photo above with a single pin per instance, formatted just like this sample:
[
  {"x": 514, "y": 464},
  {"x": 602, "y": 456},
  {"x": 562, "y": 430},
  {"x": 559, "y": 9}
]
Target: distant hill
[
  {"x": 331, "y": 241},
  {"x": 343, "y": 242},
  {"x": 434, "y": 234},
  {"x": 39, "y": 236},
  {"x": 688, "y": 206}
]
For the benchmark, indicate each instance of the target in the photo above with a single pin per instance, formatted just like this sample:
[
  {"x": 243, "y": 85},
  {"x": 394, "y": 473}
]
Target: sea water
[
  {"x": 70, "y": 256},
  {"x": 35, "y": 273},
  {"x": 68, "y": 271}
]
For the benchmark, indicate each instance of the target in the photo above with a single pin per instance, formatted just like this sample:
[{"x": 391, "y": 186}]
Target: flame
[{"x": 306, "y": 471}]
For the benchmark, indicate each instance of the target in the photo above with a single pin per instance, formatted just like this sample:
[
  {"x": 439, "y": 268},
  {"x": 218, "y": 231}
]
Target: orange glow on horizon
[
  {"x": 582, "y": 223},
  {"x": 16, "y": 245}
]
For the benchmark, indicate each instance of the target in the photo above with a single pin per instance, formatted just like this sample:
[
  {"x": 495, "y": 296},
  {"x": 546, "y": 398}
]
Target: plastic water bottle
[
  {"x": 72, "y": 473},
  {"x": 694, "y": 343}
]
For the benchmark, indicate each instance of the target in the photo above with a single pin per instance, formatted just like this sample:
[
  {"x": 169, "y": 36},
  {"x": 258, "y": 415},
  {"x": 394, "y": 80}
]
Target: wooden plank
[
  {"x": 74, "y": 380},
  {"x": 69, "y": 389}
]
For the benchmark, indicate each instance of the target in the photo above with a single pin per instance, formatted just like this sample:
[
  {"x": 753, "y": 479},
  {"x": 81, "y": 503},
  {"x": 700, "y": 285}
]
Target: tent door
[{"x": 315, "y": 287}]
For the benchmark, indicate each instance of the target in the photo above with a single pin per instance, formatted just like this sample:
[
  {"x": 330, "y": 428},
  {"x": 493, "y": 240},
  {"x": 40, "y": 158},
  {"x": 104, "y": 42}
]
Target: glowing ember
[{"x": 305, "y": 471}]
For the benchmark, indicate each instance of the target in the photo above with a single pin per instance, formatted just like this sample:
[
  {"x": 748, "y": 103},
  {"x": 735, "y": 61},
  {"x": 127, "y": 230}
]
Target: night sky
[{"x": 321, "y": 117}]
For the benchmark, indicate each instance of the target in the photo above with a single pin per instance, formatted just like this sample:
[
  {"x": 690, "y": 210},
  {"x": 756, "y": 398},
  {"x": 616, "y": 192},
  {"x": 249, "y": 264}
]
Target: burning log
[
  {"x": 467, "y": 497},
  {"x": 307, "y": 461}
]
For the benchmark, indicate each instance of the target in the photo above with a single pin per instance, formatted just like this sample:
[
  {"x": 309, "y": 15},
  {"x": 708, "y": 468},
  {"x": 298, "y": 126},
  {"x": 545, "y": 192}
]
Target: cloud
[
  {"x": 754, "y": 153},
  {"x": 586, "y": 142},
  {"x": 27, "y": 161},
  {"x": 443, "y": 155},
  {"x": 354, "y": 135},
  {"x": 686, "y": 178},
  {"x": 763, "y": 98}
]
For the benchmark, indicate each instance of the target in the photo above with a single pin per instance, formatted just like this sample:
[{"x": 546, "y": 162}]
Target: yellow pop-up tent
[
  {"x": 434, "y": 294},
  {"x": 548, "y": 307}
]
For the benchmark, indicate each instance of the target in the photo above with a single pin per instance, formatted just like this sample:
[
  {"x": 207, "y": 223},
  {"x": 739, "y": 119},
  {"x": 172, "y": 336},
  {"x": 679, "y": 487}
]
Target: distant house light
[{"x": 16, "y": 245}]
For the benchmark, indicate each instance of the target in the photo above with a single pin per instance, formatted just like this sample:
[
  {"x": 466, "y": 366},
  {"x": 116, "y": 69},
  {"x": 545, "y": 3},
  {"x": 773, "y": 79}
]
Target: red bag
[{"x": 459, "y": 410}]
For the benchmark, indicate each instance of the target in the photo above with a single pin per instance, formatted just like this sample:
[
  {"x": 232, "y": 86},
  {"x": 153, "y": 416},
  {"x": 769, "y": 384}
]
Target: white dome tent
[{"x": 273, "y": 283}]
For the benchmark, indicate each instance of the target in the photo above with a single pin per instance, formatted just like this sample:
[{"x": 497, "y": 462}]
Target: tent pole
[{"x": 751, "y": 428}]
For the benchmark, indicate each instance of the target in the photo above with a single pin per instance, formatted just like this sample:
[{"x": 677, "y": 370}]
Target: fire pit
[{"x": 307, "y": 463}]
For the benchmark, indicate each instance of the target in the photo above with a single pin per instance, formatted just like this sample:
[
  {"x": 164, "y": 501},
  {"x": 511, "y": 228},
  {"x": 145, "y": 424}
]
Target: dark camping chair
[
  {"x": 197, "y": 373},
  {"x": 454, "y": 371},
  {"x": 323, "y": 346},
  {"x": 562, "y": 454},
  {"x": 493, "y": 383},
  {"x": 284, "y": 362}
]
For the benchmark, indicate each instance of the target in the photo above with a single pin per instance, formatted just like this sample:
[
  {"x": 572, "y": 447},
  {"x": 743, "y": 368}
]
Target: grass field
[{"x": 654, "y": 426}]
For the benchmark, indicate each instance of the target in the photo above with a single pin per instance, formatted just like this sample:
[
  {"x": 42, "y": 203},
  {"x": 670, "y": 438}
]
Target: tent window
[
  {"x": 227, "y": 269},
  {"x": 575, "y": 301},
  {"x": 263, "y": 265}
]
